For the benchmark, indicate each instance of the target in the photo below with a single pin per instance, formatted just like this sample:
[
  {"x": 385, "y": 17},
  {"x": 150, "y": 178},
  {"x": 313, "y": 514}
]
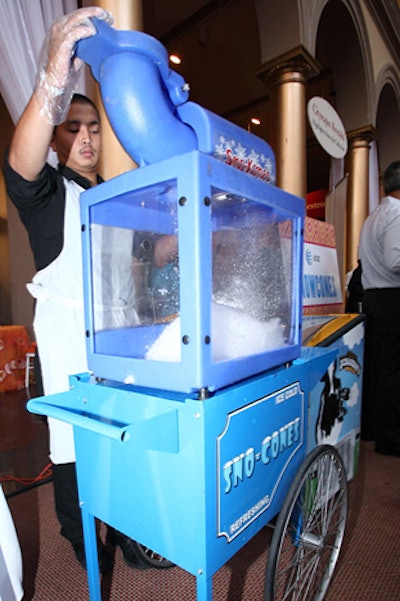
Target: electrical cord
[{"x": 44, "y": 476}]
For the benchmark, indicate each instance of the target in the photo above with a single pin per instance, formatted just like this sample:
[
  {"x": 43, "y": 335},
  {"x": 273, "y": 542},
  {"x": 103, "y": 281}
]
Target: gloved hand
[{"x": 58, "y": 67}]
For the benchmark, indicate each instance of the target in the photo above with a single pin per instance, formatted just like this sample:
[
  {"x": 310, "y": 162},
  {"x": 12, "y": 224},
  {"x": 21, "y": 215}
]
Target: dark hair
[
  {"x": 82, "y": 99},
  {"x": 391, "y": 177}
]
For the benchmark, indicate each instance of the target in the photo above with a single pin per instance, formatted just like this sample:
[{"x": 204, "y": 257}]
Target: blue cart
[
  {"x": 194, "y": 480},
  {"x": 190, "y": 447}
]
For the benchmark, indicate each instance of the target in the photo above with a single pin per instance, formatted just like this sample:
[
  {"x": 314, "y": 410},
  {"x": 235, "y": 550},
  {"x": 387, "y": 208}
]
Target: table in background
[{"x": 14, "y": 344}]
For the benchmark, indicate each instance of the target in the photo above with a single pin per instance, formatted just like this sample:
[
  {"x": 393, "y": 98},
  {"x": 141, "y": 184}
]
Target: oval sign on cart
[{"x": 327, "y": 127}]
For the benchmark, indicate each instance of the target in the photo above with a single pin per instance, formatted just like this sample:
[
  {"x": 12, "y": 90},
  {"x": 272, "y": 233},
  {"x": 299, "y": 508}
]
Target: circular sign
[{"x": 327, "y": 127}]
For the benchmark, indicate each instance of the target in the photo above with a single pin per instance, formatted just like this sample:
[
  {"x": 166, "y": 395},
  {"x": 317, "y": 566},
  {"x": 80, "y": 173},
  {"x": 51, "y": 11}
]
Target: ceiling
[
  {"x": 168, "y": 19},
  {"x": 218, "y": 41}
]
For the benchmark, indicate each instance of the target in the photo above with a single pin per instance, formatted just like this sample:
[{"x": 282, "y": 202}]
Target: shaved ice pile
[{"x": 233, "y": 334}]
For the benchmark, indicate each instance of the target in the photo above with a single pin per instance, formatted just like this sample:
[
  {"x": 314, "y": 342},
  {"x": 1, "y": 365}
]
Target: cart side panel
[{"x": 335, "y": 402}]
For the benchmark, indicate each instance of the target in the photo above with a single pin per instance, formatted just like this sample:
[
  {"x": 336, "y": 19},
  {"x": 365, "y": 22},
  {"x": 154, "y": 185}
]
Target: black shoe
[
  {"x": 385, "y": 450},
  {"x": 129, "y": 550},
  {"x": 105, "y": 561}
]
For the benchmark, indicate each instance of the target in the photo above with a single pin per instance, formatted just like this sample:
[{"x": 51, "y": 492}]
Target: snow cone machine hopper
[{"x": 192, "y": 423}]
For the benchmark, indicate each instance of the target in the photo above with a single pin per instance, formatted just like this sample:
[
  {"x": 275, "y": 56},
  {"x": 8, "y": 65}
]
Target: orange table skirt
[{"x": 14, "y": 344}]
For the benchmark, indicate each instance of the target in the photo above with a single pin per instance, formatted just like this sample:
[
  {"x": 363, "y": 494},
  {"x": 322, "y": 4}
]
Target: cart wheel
[
  {"x": 151, "y": 558},
  {"x": 309, "y": 530}
]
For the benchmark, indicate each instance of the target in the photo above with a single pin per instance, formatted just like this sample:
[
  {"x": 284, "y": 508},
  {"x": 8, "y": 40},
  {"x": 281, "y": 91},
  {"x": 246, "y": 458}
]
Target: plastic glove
[{"x": 58, "y": 67}]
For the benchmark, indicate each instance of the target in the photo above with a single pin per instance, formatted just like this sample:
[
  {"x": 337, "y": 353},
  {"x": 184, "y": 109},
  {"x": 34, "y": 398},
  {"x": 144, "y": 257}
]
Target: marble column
[
  {"x": 286, "y": 78},
  {"x": 128, "y": 14},
  {"x": 357, "y": 166}
]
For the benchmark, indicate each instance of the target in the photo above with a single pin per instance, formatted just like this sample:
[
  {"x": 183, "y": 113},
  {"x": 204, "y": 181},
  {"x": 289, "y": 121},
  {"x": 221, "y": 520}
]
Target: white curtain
[{"x": 23, "y": 26}]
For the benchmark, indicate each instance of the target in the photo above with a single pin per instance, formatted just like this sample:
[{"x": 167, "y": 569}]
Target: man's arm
[
  {"x": 50, "y": 100},
  {"x": 391, "y": 245},
  {"x": 31, "y": 141},
  {"x": 165, "y": 250}
]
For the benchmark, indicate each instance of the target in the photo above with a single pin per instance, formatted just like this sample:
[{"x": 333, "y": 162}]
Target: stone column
[
  {"x": 357, "y": 164},
  {"x": 128, "y": 14},
  {"x": 286, "y": 78}
]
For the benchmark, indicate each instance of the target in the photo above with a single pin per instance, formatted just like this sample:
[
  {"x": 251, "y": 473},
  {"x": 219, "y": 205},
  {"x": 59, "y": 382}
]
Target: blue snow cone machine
[{"x": 192, "y": 422}]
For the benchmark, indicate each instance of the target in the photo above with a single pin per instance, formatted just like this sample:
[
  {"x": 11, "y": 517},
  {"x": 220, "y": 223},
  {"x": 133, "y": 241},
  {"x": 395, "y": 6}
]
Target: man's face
[{"x": 77, "y": 141}]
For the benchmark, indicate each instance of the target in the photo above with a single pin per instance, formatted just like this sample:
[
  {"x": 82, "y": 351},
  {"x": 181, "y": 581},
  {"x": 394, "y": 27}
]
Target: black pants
[
  {"x": 67, "y": 501},
  {"x": 67, "y": 505},
  {"x": 381, "y": 385}
]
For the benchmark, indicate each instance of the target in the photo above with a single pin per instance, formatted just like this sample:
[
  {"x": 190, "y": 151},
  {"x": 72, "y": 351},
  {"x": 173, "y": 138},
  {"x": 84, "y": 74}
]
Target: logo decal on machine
[
  {"x": 253, "y": 452},
  {"x": 235, "y": 154}
]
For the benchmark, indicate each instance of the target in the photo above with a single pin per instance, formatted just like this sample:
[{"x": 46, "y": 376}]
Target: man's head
[
  {"x": 391, "y": 178},
  {"x": 77, "y": 141}
]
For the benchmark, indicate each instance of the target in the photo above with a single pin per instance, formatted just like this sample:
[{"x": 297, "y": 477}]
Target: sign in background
[
  {"x": 315, "y": 204},
  {"x": 327, "y": 127},
  {"x": 322, "y": 288}
]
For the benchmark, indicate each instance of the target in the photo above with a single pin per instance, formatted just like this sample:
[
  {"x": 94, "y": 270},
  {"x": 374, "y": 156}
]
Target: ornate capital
[
  {"x": 296, "y": 64},
  {"x": 362, "y": 136}
]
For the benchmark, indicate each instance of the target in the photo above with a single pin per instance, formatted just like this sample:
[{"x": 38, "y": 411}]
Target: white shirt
[{"x": 379, "y": 247}]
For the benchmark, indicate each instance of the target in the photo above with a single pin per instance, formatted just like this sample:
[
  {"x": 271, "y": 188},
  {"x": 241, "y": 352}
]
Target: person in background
[
  {"x": 164, "y": 278},
  {"x": 354, "y": 291},
  {"x": 379, "y": 253},
  {"x": 48, "y": 203}
]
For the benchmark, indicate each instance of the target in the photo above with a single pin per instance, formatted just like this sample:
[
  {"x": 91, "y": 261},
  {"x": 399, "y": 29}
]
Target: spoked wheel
[
  {"x": 151, "y": 558},
  {"x": 309, "y": 530}
]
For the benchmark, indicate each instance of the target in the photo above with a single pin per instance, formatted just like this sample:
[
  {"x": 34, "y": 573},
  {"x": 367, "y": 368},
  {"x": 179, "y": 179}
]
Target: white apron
[
  {"x": 10, "y": 556},
  {"x": 59, "y": 316},
  {"x": 59, "y": 321}
]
